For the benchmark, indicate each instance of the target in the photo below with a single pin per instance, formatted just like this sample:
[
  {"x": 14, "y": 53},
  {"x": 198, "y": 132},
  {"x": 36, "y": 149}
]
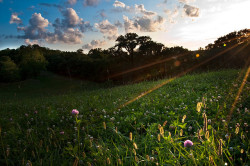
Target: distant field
[{"x": 37, "y": 126}]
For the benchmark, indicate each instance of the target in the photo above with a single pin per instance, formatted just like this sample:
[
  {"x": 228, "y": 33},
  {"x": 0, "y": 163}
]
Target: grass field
[{"x": 112, "y": 128}]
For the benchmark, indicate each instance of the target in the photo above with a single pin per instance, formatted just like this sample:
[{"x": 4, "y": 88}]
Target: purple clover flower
[
  {"x": 62, "y": 132},
  {"x": 188, "y": 143},
  {"x": 75, "y": 112}
]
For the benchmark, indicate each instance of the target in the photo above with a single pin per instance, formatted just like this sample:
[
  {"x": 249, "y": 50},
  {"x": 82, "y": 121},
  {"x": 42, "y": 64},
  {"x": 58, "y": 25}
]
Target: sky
[{"x": 70, "y": 25}]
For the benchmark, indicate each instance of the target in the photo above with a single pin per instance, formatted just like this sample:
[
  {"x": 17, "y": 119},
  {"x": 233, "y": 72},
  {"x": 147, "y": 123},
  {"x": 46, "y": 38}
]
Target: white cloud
[
  {"x": 15, "y": 19},
  {"x": 107, "y": 29},
  {"x": 36, "y": 28},
  {"x": 144, "y": 24},
  {"x": 191, "y": 11},
  {"x": 141, "y": 9},
  {"x": 71, "y": 19},
  {"x": 70, "y": 36},
  {"x": 94, "y": 44},
  {"x": 28, "y": 42},
  {"x": 122, "y": 7},
  {"x": 172, "y": 14},
  {"x": 119, "y": 4}
]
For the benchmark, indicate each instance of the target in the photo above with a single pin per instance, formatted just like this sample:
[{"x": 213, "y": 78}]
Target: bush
[{"x": 8, "y": 70}]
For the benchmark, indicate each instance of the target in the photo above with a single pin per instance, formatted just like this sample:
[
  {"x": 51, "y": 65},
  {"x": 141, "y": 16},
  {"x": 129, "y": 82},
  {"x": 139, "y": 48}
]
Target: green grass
[{"x": 27, "y": 137}]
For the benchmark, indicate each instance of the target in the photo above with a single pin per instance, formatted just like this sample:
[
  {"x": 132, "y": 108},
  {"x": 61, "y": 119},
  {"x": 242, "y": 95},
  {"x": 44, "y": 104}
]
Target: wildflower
[
  {"x": 188, "y": 143},
  {"x": 62, "y": 132},
  {"x": 35, "y": 112},
  {"x": 75, "y": 112},
  {"x": 209, "y": 121}
]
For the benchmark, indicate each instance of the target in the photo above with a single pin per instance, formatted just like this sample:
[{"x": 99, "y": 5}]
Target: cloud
[
  {"x": 71, "y": 19},
  {"x": 172, "y": 14},
  {"x": 107, "y": 29},
  {"x": 90, "y": 2},
  {"x": 68, "y": 30},
  {"x": 36, "y": 28},
  {"x": 118, "y": 24},
  {"x": 122, "y": 7},
  {"x": 129, "y": 25},
  {"x": 71, "y": 2},
  {"x": 143, "y": 24},
  {"x": 1, "y": 1},
  {"x": 28, "y": 42},
  {"x": 141, "y": 9},
  {"x": 15, "y": 19},
  {"x": 94, "y": 44},
  {"x": 69, "y": 36},
  {"x": 119, "y": 4},
  {"x": 191, "y": 11}
]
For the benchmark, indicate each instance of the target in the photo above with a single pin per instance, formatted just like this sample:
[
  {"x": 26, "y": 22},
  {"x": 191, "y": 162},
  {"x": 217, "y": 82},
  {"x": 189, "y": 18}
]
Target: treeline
[{"x": 134, "y": 58}]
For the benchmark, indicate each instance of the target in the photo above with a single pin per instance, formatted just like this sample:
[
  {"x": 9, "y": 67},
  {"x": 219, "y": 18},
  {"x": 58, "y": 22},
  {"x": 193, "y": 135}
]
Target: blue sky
[{"x": 72, "y": 24}]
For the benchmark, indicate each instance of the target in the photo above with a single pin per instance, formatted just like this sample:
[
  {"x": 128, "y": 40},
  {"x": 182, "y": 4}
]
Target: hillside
[{"x": 135, "y": 124}]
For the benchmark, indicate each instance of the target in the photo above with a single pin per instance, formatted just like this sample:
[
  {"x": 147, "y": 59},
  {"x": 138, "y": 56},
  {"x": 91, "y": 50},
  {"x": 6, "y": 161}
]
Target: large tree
[{"x": 129, "y": 43}]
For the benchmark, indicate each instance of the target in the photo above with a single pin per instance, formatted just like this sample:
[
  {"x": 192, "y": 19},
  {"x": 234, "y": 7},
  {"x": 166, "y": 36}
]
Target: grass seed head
[
  {"x": 164, "y": 124},
  {"x": 220, "y": 149},
  {"x": 159, "y": 137},
  {"x": 104, "y": 125},
  {"x": 183, "y": 118},
  {"x": 134, "y": 144},
  {"x": 181, "y": 132},
  {"x": 130, "y": 136},
  {"x": 108, "y": 161}
]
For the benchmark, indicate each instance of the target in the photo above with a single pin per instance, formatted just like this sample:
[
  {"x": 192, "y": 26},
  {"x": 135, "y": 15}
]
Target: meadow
[{"x": 116, "y": 127}]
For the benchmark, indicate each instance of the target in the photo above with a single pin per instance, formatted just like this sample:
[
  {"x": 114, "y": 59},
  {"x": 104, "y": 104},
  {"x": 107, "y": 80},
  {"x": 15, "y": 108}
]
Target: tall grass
[{"x": 39, "y": 129}]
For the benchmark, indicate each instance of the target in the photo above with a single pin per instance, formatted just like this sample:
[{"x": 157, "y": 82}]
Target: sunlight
[
  {"x": 238, "y": 94},
  {"x": 177, "y": 76}
]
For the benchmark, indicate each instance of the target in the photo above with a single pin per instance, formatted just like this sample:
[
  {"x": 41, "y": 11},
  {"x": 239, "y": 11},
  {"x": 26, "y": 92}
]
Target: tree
[
  {"x": 8, "y": 70},
  {"x": 32, "y": 63},
  {"x": 129, "y": 43}
]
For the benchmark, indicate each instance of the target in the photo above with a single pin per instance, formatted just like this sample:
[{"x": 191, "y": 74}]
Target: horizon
[{"x": 70, "y": 25}]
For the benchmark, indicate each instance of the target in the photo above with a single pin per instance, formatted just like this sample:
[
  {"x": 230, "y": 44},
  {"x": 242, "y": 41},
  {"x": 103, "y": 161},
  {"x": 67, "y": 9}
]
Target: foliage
[
  {"x": 9, "y": 71},
  {"x": 38, "y": 128},
  {"x": 32, "y": 63},
  {"x": 133, "y": 59}
]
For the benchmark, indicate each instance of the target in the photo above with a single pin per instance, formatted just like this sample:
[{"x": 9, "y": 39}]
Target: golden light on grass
[
  {"x": 238, "y": 94},
  {"x": 146, "y": 66},
  {"x": 171, "y": 79}
]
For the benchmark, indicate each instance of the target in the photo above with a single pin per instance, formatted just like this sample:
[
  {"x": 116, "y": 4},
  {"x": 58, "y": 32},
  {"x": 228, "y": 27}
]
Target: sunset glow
[{"x": 70, "y": 24}]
